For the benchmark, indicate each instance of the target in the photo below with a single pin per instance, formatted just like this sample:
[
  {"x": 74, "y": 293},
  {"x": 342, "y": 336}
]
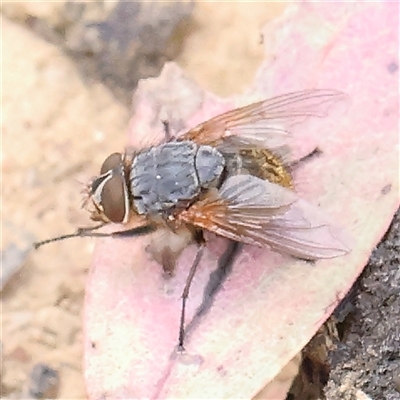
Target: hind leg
[{"x": 313, "y": 154}]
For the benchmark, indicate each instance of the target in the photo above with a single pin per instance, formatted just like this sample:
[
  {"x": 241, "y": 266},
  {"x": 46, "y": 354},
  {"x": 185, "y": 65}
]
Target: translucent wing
[
  {"x": 258, "y": 212},
  {"x": 266, "y": 123}
]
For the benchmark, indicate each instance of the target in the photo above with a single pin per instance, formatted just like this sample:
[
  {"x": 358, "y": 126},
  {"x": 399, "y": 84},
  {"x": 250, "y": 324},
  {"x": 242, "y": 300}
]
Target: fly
[{"x": 230, "y": 175}]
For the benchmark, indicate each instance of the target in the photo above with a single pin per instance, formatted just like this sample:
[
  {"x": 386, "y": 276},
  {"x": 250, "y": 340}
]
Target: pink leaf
[{"x": 271, "y": 305}]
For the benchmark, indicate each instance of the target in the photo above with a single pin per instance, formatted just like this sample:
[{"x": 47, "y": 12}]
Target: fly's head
[{"x": 107, "y": 195}]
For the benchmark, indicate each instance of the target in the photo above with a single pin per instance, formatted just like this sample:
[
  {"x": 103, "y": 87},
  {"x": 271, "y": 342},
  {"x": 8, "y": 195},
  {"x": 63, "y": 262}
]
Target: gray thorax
[{"x": 174, "y": 172}]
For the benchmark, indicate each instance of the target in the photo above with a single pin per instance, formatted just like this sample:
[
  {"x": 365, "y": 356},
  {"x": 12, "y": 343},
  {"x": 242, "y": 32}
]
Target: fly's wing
[
  {"x": 258, "y": 212},
  {"x": 265, "y": 124}
]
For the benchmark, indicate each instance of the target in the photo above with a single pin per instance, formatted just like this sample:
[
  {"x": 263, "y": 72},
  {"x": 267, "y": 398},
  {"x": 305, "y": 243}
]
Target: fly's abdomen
[{"x": 173, "y": 172}]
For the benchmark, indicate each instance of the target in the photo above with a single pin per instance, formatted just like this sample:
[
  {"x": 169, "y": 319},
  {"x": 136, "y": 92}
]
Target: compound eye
[
  {"x": 114, "y": 198},
  {"x": 112, "y": 161},
  {"x": 109, "y": 190}
]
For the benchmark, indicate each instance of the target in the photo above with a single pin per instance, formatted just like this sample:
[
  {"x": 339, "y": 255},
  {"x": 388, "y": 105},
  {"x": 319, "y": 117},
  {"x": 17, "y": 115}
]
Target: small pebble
[{"x": 44, "y": 382}]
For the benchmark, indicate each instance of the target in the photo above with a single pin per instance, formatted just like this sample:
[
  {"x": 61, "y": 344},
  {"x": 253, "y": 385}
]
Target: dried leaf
[{"x": 271, "y": 305}]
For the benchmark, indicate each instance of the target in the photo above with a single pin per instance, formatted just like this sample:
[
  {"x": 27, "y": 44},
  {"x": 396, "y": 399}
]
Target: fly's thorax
[
  {"x": 173, "y": 173},
  {"x": 210, "y": 164},
  {"x": 108, "y": 193}
]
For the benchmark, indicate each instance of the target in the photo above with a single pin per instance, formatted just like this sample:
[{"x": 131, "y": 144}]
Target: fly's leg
[
  {"x": 138, "y": 231},
  {"x": 315, "y": 153},
  {"x": 79, "y": 233},
  {"x": 185, "y": 294},
  {"x": 88, "y": 232},
  {"x": 167, "y": 130},
  {"x": 216, "y": 280},
  {"x": 218, "y": 277}
]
